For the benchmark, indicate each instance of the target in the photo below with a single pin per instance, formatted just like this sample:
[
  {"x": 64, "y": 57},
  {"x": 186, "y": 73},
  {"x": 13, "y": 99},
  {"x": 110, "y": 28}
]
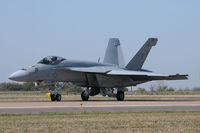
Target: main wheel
[
  {"x": 58, "y": 97},
  {"x": 120, "y": 96},
  {"x": 84, "y": 97},
  {"x": 53, "y": 97}
]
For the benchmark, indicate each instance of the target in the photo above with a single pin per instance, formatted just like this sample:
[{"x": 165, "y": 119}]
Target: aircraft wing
[
  {"x": 135, "y": 75},
  {"x": 142, "y": 75}
]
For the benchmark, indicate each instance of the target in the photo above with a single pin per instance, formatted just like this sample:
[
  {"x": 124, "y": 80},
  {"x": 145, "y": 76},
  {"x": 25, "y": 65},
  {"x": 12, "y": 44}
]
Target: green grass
[{"x": 102, "y": 122}]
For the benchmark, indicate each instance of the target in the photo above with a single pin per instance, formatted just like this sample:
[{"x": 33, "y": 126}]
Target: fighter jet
[{"x": 95, "y": 77}]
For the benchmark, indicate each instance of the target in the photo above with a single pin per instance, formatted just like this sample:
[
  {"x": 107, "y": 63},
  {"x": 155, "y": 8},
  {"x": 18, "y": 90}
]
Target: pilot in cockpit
[{"x": 51, "y": 60}]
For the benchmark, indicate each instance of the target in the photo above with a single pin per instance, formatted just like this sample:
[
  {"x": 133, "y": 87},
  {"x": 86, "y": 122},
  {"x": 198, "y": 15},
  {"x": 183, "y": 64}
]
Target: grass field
[
  {"x": 126, "y": 122},
  {"x": 100, "y": 122}
]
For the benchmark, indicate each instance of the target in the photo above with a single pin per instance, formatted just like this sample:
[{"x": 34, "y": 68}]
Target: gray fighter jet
[{"x": 97, "y": 78}]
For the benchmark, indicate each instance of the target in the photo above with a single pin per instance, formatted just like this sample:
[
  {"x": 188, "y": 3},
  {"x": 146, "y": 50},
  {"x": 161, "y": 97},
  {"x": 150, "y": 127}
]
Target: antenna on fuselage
[{"x": 99, "y": 59}]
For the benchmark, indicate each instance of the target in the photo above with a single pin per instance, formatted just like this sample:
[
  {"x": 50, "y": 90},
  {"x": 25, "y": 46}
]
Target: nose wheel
[{"x": 56, "y": 97}]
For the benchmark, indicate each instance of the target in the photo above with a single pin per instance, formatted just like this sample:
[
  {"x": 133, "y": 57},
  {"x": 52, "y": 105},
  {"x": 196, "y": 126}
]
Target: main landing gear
[
  {"x": 104, "y": 92},
  {"x": 85, "y": 95},
  {"x": 120, "y": 96}
]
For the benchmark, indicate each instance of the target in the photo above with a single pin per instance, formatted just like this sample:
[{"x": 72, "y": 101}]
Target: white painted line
[{"x": 101, "y": 106}]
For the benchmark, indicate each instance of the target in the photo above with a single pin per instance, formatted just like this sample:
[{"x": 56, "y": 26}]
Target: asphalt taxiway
[{"x": 7, "y": 107}]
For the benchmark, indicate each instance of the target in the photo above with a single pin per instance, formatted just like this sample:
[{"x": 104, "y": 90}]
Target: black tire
[
  {"x": 53, "y": 97},
  {"x": 58, "y": 97},
  {"x": 120, "y": 96},
  {"x": 83, "y": 97}
]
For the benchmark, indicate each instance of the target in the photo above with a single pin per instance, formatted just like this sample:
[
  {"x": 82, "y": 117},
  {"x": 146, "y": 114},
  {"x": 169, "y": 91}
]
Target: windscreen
[{"x": 51, "y": 60}]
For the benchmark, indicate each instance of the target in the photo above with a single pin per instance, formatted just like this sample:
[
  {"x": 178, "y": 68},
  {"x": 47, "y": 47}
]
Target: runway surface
[{"x": 98, "y": 106}]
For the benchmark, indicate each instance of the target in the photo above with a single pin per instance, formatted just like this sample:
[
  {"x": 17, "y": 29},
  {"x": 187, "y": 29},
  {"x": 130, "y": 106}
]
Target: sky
[{"x": 80, "y": 30}]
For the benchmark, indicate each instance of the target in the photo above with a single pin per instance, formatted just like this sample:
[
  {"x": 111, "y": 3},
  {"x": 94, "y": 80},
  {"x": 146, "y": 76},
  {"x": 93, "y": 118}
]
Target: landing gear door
[{"x": 92, "y": 79}]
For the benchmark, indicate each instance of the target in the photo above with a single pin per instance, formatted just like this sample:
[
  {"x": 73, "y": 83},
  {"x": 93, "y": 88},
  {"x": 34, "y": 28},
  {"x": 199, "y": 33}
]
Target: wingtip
[
  {"x": 180, "y": 77},
  {"x": 152, "y": 41}
]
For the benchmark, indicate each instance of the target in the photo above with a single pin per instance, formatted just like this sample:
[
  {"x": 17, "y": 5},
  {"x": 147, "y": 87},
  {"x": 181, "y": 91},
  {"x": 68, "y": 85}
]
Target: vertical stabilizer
[
  {"x": 138, "y": 60},
  {"x": 114, "y": 54}
]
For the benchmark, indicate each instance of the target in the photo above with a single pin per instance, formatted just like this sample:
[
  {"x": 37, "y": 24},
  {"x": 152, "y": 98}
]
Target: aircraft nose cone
[{"x": 18, "y": 75}]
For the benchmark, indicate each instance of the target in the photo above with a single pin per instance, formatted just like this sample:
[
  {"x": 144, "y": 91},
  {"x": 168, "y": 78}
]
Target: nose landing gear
[{"x": 55, "y": 96}]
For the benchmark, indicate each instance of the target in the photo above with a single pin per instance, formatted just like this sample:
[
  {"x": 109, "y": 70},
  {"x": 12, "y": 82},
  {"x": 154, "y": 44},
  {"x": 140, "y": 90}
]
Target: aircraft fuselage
[{"x": 47, "y": 73}]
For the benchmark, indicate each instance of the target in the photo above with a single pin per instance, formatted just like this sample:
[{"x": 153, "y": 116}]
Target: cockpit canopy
[{"x": 51, "y": 60}]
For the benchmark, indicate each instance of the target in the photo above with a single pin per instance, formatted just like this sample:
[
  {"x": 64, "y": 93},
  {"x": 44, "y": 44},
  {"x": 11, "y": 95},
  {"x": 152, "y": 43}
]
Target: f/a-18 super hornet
[{"x": 95, "y": 77}]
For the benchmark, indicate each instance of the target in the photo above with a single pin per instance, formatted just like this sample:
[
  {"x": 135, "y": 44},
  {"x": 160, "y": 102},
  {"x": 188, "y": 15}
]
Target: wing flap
[{"x": 150, "y": 78}]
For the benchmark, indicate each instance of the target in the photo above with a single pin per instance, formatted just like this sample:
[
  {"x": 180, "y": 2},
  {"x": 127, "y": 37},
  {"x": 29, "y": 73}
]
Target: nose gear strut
[{"x": 55, "y": 96}]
